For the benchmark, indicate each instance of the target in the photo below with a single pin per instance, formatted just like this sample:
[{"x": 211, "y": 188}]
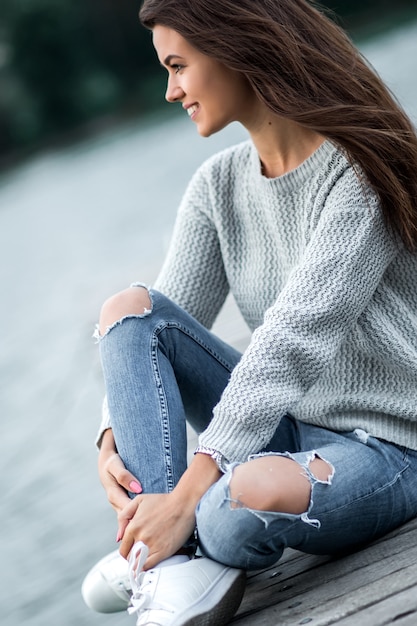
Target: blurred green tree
[
  {"x": 46, "y": 58},
  {"x": 66, "y": 63}
]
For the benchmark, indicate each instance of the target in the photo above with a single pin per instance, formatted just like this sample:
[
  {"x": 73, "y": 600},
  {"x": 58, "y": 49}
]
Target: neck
[{"x": 282, "y": 145}]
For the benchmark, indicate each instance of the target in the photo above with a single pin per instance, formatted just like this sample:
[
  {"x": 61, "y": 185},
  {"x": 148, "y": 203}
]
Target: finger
[
  {"x": 154, "y": 559},
  {"x": 128, "y": 481},
  {"x": 128, "y": 537},
  {"x": 118, "y": 498},
  {"x": 126, "y": 546},
  {"x": 124, "y": 517},
  {"x": 124, "y": 478},
  {"x": 121, "y": 529}
]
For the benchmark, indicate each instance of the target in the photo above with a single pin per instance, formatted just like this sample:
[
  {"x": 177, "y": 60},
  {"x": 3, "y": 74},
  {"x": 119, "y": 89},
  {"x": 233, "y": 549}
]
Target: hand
[
  {"x": 114, "y": 476},
  {"x": 164, "y": 522},
  {"x": 161, "y": 521}
]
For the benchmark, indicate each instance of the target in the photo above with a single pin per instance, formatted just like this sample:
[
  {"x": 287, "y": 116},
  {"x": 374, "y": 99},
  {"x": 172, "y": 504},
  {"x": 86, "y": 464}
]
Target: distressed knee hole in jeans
[
  {"x": 304, "y": 461},
  {"x": 98, "y": 336}
]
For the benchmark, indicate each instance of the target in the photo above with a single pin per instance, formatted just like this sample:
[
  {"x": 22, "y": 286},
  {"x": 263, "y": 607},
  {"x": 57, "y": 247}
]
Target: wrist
[
  {"x": 217, "y": 457},
  {"x": 196, "y": 480}
]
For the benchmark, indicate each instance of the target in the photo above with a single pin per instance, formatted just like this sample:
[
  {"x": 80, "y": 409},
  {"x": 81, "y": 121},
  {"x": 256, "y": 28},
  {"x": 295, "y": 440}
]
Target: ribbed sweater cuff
[{"x": 235, "y": 443}]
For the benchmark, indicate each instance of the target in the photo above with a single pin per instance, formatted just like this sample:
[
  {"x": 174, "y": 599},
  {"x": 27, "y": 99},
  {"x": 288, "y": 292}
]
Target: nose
[{"x": 174, "y": 93}]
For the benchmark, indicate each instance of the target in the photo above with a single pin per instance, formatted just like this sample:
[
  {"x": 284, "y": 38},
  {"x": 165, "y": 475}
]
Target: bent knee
[
  {"x": 130, "y": 301},
  {"x": 276, "y": 483}
]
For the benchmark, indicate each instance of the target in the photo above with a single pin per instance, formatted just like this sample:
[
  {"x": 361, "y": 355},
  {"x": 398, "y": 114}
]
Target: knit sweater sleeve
[
  {"x": 193, "y": 273},
  {"x": 348, "y": 252}
]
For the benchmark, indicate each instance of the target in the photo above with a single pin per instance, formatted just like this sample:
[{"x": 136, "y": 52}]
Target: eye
[{"x": 177, "y": 67}]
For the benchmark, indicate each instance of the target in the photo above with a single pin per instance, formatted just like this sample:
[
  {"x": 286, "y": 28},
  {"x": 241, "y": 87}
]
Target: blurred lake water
[{"x": 75, "y": 226}]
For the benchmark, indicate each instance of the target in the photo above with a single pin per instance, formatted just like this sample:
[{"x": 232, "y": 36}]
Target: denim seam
[
  {"x": 174, "y": 325},
  {"x": 164, "y": 412},
  {"x": 160, "y": 389},
  {"x": 373, "y": 493}
]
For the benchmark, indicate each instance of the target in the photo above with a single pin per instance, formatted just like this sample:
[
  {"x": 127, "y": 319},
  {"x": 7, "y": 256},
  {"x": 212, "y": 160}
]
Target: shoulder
[
  {"x": 342, "y": 183},
  {"x": 219, "y": 174},
  {"x": 213, "y": 181},
  {"x": 230, "y": 160}
]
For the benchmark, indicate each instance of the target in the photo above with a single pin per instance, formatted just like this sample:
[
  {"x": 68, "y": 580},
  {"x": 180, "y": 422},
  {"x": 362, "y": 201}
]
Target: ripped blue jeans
[
  {"x": 162, "y": 368},
  {"x": 371, "y": 490}
]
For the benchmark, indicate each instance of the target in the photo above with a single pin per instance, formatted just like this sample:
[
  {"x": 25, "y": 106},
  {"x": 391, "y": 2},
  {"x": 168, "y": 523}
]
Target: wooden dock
[{"x": 374, "y": 586}]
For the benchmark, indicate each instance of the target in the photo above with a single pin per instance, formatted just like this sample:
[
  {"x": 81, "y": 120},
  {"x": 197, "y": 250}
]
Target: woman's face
[{"x": 212, "y": 94}]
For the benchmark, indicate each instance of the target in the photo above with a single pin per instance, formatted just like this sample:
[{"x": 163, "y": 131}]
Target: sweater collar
[{"x": 295, "y": 178}]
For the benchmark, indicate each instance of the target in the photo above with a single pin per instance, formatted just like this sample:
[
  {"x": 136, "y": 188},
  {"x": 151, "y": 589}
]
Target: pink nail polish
[
  {"x": 118, "y": 536},
  {"x": 135, "y": 487}
]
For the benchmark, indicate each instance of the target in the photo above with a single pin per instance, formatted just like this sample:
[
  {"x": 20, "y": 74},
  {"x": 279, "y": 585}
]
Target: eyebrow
[{"x": 169, "y": 58}]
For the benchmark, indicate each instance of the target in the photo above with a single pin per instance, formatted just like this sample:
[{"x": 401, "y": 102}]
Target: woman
[{"x": 308, "y": 439}]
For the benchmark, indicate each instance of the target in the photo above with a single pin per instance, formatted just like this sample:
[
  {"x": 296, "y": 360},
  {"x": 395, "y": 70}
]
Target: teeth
[{"x": 192, "y": 110}]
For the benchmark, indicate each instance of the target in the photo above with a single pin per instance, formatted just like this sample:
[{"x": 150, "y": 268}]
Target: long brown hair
[{"x": 304, "y": 67}]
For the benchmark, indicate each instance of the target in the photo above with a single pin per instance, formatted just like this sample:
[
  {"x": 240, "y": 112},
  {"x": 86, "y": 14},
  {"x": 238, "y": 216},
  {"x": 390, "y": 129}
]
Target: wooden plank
[
  {"x": 329, "y": 589},
  {"x": 341, "y": 603},
  {"x": 400, "y": 608},
  {"x": 306, "y": 572},
  {"x": 365, "y": 595}
]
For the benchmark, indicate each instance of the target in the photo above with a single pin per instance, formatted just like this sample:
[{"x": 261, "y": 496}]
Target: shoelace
[
  {"x": 137, "y": 558},
  {"x": 140, "y": 599}
]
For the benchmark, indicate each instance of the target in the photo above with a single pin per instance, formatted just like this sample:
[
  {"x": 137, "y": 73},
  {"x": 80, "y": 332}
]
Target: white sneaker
[
  {"x": 200, "y": 592},
  {"x": 106, "y": 588}
]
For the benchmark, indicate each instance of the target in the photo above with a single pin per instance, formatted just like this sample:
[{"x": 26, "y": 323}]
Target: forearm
[{"x": 196, "y": 480}]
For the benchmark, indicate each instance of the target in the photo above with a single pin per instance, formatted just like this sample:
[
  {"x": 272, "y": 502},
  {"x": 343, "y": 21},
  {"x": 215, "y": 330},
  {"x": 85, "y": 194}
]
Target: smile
[{"x": 192, "y": 109}]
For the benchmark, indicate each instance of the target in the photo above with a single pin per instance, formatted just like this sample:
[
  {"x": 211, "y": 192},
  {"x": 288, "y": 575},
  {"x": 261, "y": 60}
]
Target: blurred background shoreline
[{"x": 82, "y": 216}]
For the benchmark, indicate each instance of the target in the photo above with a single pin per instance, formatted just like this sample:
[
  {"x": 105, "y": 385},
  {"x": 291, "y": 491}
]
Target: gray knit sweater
[{"x": 330, "y": 297}]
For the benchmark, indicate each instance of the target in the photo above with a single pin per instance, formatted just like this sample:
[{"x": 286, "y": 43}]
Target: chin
[{"x": 203, "y": 131}]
